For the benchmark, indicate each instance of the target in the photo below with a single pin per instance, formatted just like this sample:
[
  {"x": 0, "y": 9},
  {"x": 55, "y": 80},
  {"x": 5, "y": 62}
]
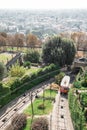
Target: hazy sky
[{"x": 43, "y": 4}]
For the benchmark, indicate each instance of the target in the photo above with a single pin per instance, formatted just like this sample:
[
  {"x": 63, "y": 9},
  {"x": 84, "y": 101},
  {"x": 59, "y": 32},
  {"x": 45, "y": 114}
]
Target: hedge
[
  {"x": 77, "y": 113},
  {"x": 26, "y": 86},
  {"x": 81, "y": 80}
]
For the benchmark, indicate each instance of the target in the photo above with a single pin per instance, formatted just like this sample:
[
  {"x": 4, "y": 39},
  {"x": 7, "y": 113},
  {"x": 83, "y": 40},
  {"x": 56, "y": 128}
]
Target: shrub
[
  {"x": 5, "y": 100},
  {"x": 27, "y": 64},
  {"x": 32, "y": 55},
  {"x": 53, "y": 66},
  {"x": 83, "y": 99},
  {"x": 14, "y": 83},
  {"x": 17, "y": 71},
  {"x": 2, "y": 71},
  {"x": 34, "y": 75},
  {"x": 26, "y": 78},
  {"x": 84, "y": 82},
  {"x": 40, "y": 71},
  {"x": 1, "y": 86},
  {"x": 85, "y": 113},
  {"x": 77, "y": 84},
  {"x": 40, "y": 124},
  {"x": 19, "y": 122},
  {"x": 47, "y": 69},
  {"x": 41, "y": 106},
  {"x": 59, "y": 77}
]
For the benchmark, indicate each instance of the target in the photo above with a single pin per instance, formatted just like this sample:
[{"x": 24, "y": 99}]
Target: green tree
[
  {"x": 2, "y": 71},
  {"x": 69, "y": 48},
  {"x": 58, "y": 50}
]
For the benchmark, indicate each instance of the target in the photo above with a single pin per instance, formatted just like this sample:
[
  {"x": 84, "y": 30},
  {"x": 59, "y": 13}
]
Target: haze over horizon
[{"x": 43, "y": 4}]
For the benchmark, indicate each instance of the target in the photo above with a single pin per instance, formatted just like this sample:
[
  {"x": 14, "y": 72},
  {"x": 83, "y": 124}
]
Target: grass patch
[
  {"x": 36, "y": 103},
  {"x": 48, "y": 93},
  {"x": 47, "y": 103},
  {"x": 28, "y": 124}
]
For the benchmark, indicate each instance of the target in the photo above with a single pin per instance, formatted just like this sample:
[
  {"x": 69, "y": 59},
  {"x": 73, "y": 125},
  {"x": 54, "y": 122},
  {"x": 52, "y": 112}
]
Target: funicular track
[
  {"x": 61, "y": 119},
  {"x": 61, "y": 113},
  {"x": 5, "y": 117}
]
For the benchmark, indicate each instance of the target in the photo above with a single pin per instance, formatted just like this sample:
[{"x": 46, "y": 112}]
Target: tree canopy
[
  {"x": 31, "y": 40},
  {"x": 58, "y": 50}
]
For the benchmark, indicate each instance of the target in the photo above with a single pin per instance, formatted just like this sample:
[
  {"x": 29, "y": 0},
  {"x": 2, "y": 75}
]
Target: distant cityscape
[{"x": 42, "y": 23}]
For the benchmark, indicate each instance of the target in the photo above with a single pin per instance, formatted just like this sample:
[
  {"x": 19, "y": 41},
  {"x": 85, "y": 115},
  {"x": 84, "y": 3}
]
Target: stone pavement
[{"x": 60, "y": 117}]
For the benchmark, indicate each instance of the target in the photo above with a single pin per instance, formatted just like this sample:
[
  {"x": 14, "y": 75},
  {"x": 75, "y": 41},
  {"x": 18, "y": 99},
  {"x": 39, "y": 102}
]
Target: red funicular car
[{"x": 64, "y": 85}]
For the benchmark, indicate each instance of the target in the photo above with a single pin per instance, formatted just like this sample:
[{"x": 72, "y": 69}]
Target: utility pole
[
  {"x": 31, "y": 98},
  {"x": 43, "y": 99},
  {"x": 50, "y": 91}
]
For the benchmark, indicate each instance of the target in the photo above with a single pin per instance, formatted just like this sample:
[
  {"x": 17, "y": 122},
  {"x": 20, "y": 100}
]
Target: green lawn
[
  {"x": 36, "y": 103},
  {"x": 47, "y": 110},
  {"x": 48, "y": 93},
  {"x": 48, "y": 104}
]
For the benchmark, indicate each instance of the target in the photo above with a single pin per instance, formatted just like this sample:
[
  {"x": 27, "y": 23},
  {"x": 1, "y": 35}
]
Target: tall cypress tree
[{"x": 58, "y": 50}]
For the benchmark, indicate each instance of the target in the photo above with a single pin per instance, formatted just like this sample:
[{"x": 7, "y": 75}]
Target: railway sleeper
[
  {"x": 61, "y": 107},
  {"x": 24, "y": 101},
  {"x": 62, "y": 116},
  {"x": 4, "y": 120},
  {"x": 15, "y": 109}
]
